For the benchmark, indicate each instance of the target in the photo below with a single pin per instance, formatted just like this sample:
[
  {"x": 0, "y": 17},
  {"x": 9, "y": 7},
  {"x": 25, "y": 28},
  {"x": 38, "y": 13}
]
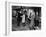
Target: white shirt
[{"x": 23, "y": 18}]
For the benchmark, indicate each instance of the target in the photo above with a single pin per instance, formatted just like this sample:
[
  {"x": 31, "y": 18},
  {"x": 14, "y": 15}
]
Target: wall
[{"x": 21, "y": 34}]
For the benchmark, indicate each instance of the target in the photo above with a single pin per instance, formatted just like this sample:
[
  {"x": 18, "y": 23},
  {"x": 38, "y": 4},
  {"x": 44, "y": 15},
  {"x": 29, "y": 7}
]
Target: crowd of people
[{"x": 26, "y": 17}]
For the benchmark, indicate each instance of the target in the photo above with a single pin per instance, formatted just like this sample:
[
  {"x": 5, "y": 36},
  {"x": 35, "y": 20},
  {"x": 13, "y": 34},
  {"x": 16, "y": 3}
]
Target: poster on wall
[
  {"x": 23, "y": 17},
  {"x": 26, "y": 18}
]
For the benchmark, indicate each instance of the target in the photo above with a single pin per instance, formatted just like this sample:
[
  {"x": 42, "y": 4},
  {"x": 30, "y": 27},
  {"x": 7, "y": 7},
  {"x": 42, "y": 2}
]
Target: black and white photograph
[{"x": 26, "y": 18}]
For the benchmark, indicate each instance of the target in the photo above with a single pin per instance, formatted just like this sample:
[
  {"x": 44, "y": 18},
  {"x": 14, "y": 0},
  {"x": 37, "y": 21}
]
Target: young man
[
  {"x": 31, "y": 16},
  {"x": 19, "y": 19}
]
